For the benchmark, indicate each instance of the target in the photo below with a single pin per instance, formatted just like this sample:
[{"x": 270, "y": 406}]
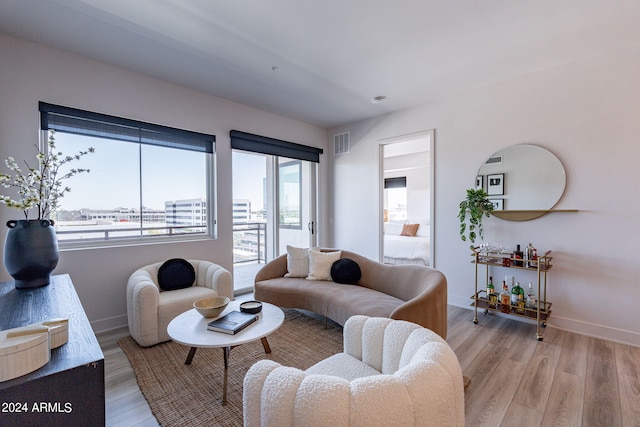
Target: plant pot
[{"x": 30, "y": 252}]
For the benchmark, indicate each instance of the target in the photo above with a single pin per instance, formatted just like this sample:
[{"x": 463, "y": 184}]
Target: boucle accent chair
[
  {"x": 150, "y": 309},
  {"x": 414, "y": 293},
  {"x": 391, "y": 373}
]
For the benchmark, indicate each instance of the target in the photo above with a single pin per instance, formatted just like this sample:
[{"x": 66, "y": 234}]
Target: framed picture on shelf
[
  {"x": 498, "y": 204},
  {"x": 479, "y": 182},
  {"x": 495, "y": 184}
]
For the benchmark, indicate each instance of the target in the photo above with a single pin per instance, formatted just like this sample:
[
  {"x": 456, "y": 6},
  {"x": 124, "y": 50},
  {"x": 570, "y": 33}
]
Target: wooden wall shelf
[{"x": 526, "y": 215}]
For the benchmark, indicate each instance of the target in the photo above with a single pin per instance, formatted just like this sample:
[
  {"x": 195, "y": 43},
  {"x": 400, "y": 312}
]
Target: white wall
[
  {"x": 587, "y": 113},
  {"x": 30, "y": 73}
]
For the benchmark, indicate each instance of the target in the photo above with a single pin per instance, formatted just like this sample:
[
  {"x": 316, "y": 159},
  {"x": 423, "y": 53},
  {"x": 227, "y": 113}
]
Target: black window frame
[{"x": 81, "y": 122}]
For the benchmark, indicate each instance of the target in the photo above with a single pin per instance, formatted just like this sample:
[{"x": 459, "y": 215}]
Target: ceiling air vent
[
  {"x": 493, "y": 160},
  {"x": 341, "y": 143}
]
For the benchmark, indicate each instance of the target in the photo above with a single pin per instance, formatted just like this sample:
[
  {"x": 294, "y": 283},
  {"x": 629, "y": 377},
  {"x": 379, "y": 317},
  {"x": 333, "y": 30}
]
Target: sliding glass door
[
  {"x": 273, "y": 206},
  {"x": 296, "y": 224}
]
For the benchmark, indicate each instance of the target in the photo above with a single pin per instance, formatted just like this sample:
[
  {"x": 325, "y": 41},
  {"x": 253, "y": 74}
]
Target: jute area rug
[{"x": 191, "y": 395}]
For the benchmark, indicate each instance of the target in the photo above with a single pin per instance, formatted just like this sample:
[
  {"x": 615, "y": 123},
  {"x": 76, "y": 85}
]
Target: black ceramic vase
[{"x": 30, "y": 252}]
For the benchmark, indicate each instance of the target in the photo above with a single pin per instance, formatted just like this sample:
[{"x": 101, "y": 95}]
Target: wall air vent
[
  {"x": 493, "y": 160},
  {"x": 341, "y": 143}
]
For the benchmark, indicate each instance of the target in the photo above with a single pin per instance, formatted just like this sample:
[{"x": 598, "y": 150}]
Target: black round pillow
[
  {"x": 176, "y": 273},
  {"x": 346, "y": 271}
]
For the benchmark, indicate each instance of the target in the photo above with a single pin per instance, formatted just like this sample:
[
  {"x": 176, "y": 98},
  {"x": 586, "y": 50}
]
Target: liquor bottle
[
  {"x": 490, "y": 288},
  {"x": 518, "y": 256},
  {"x": 514, "y": 294},
  {"x": 528, "y": 255},
  {"x": 531, "y": 297},
  {"x": 521, "y": 302},
  {"x": 505, "y": 298},
  {"x": 510, "y": 283},
  {"x": 534, "y": 263},
  {"x": 491, "y": 293}
]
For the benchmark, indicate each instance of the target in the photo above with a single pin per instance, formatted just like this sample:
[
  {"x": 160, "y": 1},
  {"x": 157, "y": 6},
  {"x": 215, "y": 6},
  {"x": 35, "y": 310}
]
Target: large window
[
  {"x": 145, "y": 181},
  {"x": 395, "y": 199}
]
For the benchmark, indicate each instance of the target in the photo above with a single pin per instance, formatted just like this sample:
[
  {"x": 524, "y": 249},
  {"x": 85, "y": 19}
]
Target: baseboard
[
  {"x": 461, "y": 302},
  {"x": 571, "y": 325},
  {"x": 596, "y": 331},
  {"x": 109, "y": 324}
]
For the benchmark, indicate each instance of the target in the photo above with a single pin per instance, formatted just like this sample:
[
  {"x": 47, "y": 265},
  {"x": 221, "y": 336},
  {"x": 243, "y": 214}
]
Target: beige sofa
[{"x": 414, "y": 293}]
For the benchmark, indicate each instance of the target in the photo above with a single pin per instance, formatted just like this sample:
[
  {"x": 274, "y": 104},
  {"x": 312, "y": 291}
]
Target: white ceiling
[{"x": 332, "y": 56}]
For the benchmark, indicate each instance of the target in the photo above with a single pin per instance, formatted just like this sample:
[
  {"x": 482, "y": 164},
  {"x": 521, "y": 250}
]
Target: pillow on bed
[
  {"x": 394, "y": 228},
  {"x": 320, "y": 264},
  {"x": 297, "y": 262},
  {"x": 423, "y": 230},
  {"x": 409, "y": 230}
]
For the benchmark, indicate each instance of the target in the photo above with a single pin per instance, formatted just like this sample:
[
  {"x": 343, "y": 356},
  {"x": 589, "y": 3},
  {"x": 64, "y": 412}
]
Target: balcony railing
[
  {"x": 249, "y": 242},
  {"x": 98, "y": 234},
  {"x": 249, "y": 238}
]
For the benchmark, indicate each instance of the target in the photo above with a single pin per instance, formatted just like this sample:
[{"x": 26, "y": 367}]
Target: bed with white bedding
[{"x": 400, "y": 249}]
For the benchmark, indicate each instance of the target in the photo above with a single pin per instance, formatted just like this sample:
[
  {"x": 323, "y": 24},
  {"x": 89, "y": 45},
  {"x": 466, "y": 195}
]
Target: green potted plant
[
  {"x": 472, "y": 209},
  {"x": 31, "y": 246}
]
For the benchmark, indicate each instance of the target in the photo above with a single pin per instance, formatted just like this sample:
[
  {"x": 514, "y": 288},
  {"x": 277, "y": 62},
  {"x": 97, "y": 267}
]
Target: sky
[
  {"x": 113, "y": 180},
  {"x": 168, "y": 174},
  {"x": 249, "y": 172}
]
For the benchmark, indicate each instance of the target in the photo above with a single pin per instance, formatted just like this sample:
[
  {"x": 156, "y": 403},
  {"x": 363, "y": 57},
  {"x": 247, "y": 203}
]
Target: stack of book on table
[{"x": 232, "y": 323}]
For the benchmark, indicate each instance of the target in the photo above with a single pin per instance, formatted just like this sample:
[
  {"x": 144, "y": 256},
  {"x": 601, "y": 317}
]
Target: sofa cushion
[
  {"x": 176, "y": 273},
  {"x": 171, "y": 304},
  {"x": 336, "y": 301},
  {"x": 345, "y": 270},
  {"x": 320, "y": 264},
  {"x": 297, "y": 262},
  {"x": 344, "y": 366}
]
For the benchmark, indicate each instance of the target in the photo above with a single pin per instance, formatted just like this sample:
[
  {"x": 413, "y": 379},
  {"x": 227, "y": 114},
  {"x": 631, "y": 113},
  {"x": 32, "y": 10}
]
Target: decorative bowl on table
[
  {"x": 251, "y": 307},
  {"x": 211, "y": 306}
]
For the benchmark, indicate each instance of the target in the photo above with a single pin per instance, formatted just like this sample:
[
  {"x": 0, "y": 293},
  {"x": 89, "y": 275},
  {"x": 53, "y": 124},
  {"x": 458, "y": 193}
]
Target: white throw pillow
[
  {"x": 297, "y": 262},
  {"x": 394, "y": 228},
  {"x": 424, "y": 229},
  {"x": 320, "y": 264}
]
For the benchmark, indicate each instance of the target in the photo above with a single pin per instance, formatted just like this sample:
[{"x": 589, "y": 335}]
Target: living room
[{"x": 583, "y": 108}]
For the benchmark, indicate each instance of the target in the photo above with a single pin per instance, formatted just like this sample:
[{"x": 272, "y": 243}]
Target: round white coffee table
[{"x": 190, "y": 329}]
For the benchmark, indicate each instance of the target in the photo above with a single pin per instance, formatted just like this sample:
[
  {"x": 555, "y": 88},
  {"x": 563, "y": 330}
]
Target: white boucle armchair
[
  {"x": 149, "y": 309},
  {"x": 391, "y": 372}
]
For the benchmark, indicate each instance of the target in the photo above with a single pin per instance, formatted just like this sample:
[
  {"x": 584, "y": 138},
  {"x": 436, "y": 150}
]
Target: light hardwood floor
[{"x": 564, "y": 380}]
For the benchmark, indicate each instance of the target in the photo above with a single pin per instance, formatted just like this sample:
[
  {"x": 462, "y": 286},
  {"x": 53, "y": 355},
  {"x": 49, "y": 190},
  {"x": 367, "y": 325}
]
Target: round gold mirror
[{"x": 522, "y": 178}]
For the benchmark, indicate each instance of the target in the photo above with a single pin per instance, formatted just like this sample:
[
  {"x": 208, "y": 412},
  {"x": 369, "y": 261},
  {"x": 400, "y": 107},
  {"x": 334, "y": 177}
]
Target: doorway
[
  {"x": 406, "y": 199},
  {"x": 273, "y": 206}
]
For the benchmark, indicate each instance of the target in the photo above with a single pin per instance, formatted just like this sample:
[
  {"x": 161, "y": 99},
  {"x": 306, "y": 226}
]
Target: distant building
[
  {"x": 241, "y": 210},
  {"x": 249, "y": 233},
  {"x": 186, "y": 212},
  {"x": 123, "y": 215}
]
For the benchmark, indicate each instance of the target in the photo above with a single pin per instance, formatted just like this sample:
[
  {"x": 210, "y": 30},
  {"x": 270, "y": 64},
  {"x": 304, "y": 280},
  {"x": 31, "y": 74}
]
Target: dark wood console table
[{"x": 69, "y": 389}]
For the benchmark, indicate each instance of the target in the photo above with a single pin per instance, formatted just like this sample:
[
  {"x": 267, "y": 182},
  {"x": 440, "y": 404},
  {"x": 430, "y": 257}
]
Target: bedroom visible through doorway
[{"x": 406, "y": 196}]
